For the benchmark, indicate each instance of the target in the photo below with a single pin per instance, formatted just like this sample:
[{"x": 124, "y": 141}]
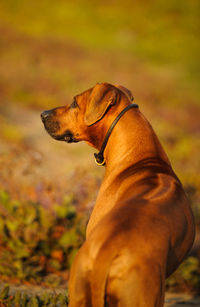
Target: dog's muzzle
[{"x": 52, "y": 126}]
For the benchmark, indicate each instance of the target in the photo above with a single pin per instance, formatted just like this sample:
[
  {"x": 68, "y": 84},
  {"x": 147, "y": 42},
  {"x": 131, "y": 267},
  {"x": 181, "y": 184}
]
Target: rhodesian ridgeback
[{"x": 141, "y": 227}]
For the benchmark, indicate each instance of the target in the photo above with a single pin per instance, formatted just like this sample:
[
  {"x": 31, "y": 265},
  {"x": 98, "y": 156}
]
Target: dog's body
[{"x": 141, "y": 227}]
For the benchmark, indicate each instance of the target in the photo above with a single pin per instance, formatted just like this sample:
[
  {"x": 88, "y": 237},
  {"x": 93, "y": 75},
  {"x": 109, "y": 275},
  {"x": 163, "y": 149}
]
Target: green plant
[
  {"x": 35, "y": 241},
  {"x": 187, "y": 276},
  {"x": 20, "y": 299}
]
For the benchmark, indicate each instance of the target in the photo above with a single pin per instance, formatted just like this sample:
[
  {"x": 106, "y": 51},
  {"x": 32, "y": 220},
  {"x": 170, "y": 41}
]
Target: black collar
[{"x": 99, "y": 158}]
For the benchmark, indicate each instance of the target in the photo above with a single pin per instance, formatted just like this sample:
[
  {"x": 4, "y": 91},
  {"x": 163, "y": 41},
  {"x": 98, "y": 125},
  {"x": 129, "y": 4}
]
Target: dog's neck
[{"x": 131, "y": 141}]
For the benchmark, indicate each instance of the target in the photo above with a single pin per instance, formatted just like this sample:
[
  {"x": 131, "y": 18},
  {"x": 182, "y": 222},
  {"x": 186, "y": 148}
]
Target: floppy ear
[
  {"x": 126, "y": 92},
  {"x": 102, "y": 96}
]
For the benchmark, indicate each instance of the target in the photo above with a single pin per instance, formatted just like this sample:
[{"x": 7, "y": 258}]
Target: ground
[
  {"x": 40, "y": 153},
  {"x": 181, "y": 299},
  {"x": 43, "y": 70}
]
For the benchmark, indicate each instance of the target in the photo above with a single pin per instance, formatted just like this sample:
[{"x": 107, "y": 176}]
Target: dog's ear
[
  {"x": 102, "y": 96},
  {"x": 126, "y": 92}
]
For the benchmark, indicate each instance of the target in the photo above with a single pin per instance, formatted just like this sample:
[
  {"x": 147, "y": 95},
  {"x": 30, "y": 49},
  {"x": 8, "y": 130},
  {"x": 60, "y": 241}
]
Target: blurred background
[{"x": 53, "y": 50}]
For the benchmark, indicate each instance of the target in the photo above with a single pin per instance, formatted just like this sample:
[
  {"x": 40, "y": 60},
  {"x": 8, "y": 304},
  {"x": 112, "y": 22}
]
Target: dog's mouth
[{"x": 66, "y": 137}]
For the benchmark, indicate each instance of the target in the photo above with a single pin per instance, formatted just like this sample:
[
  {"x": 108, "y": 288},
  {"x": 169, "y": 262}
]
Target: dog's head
[{"x": 71, "y": 123}]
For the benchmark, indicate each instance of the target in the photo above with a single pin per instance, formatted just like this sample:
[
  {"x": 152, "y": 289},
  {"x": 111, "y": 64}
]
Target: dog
[{"x": 141, "y": 227}]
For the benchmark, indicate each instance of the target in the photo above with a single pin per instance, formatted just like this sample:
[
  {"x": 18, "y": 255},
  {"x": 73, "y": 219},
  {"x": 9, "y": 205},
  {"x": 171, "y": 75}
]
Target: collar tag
[{"x": 99, "y": 159}]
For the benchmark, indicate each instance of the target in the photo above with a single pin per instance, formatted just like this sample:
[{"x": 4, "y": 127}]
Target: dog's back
[{"x": 141, "y": 227}]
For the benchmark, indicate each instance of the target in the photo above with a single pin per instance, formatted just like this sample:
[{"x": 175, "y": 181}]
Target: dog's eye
[{"x": 74, "y": 104}]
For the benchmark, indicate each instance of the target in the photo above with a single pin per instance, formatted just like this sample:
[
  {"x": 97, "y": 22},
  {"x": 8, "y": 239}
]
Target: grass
[
  {"x": 24, "y": 298},
  {"x": 50, "y": 51},
  {"x": 162, "y": 33}
]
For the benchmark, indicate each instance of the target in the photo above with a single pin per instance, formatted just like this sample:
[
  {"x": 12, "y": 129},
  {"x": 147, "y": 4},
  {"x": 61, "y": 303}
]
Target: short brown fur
[{"x": 141, "y": 227}]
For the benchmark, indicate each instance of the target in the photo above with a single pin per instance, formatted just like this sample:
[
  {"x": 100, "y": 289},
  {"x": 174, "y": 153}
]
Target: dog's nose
[{"x": 45, "y": 114}]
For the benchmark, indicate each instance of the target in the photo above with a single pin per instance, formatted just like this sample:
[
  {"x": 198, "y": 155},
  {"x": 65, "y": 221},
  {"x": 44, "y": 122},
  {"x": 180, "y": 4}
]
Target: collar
[{"x": 99, "y": 158}]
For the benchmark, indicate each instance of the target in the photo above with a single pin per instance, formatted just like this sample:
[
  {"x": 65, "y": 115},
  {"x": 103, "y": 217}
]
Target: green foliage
[
  {"x": 152, "y": 47},
  {"x": 23, "y": 300},
  {"x": 35, "y": 241},
  {"x": 161, "y": 32},
  {"x": 187, "y": 276},
  {"x": 4, "y": 293}
]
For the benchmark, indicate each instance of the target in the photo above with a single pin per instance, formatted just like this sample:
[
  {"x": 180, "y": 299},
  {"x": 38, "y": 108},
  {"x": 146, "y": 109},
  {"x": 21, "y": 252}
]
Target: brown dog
[{"x": 141, "y": 227}]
